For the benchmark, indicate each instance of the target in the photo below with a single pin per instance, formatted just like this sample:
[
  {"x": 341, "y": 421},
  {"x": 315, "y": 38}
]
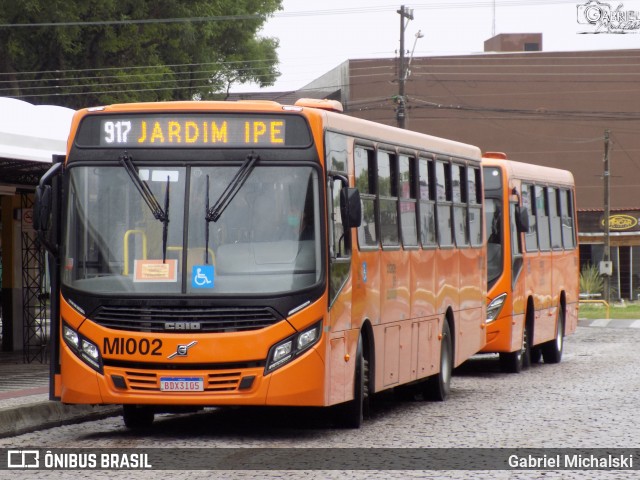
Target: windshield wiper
[
  {"x": 213, "y": 213},
  {"x": 147, "y": 195}
]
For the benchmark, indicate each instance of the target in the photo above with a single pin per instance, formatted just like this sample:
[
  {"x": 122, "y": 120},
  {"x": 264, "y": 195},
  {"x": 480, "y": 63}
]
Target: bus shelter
[{"x": 29, "y": 136}]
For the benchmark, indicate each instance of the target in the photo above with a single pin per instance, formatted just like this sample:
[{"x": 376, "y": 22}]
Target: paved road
[{"x": 590, "y": 400}]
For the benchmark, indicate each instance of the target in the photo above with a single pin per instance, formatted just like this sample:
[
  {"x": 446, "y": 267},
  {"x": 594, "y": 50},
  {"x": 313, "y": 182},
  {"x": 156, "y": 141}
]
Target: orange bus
[
  {"x": 533, "y": 265},
  {"x": 252, "y": 253}
]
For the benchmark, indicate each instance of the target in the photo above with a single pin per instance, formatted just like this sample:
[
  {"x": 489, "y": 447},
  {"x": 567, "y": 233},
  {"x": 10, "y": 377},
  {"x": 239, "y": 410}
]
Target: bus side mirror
[
  {"x": 42, "y": 209},
  {"x": 350, "y": 207},
  {"x": 522, "y": 219}
]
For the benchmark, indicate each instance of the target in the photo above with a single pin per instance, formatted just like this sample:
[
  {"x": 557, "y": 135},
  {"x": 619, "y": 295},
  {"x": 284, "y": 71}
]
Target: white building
[{"x": 29, "y": 136}]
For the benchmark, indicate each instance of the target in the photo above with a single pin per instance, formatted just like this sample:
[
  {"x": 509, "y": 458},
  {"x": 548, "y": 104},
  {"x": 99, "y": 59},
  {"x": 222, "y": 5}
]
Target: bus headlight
[
  {"x": 308, "y": 337},
  {"x": 286, "y": 350},
  {"x": 71, "y": 337},
  {"x": 282, "y": 352},
  {"x": 494, "y": 308},
  {"x": 84, "y": 349}
]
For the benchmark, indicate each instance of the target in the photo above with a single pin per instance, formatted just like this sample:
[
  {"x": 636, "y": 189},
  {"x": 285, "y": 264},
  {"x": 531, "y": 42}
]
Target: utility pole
[
  {"x": 606, "y": 266},
  {"x": 401, "y": 110},
  {"x": 493, "y": 26}
]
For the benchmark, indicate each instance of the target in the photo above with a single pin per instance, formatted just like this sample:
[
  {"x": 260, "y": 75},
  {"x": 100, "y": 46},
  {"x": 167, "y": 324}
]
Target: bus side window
[
  {"x": 475, "y": 206},
  {"x": 443, "y": 200},
  {"x": 566, "y": 214},
  {"x": 554, "y": 219},
  {"x": 339, "y": 240},
  {"x": 460, "y": 204},
  {"x": 388, "y": 198},
  {"x": 427, "y": 214},
  {"x": 516, "y": 248},
  {"x": 365, "y": 173},
  {"x": 531, "y": 237},
  {"x": 542, "y": 210},
  {"x": 339, "y": 236},
  {"x": 407, "y": 195}
]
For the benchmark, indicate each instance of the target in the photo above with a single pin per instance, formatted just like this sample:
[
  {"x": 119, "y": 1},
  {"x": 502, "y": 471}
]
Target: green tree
[{"x": 95, "y": 52}]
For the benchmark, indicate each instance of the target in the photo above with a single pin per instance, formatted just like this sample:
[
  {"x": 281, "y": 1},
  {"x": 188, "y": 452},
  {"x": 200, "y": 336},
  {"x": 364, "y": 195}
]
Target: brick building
[{"x": 547, "y": 108}]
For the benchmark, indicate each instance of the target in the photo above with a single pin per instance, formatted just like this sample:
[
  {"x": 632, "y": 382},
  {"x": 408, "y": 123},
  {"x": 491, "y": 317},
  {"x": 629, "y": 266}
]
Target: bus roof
[
  {"x": 531, "y": 172},
  {"x": 420, "y": 141}
]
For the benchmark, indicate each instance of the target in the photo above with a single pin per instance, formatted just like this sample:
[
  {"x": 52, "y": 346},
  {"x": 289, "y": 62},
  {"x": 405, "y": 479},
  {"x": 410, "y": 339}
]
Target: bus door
[
  {"x": 544, "y": 328},
  {"x": 343, "y": 203},
  {"x": 537, "y": 260},
  {"x": 518, "y": 301}
]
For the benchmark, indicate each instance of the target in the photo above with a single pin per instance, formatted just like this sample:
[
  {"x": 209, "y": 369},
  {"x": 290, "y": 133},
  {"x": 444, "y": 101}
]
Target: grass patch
[{"x": 592, "y": 311}]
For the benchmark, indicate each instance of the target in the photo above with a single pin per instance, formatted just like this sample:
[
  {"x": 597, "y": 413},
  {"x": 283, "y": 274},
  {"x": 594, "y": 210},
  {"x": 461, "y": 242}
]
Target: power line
[
  {"x": 143, "y": 21},
  {"x": 140, "y": 67},
  {"x": 144, "y": 77},
  {"x": 135, "y": 72},
  {"x": 302, "y": 13},
  {"x": 582, "y": 114}
]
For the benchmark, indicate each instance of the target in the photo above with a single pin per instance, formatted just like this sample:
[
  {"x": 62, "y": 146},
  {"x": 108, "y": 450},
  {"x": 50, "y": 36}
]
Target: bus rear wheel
[
  {"x": 438, "y": 386},
  {"x": 137, "y": 416},
  {"x": 552, "y": 350}
]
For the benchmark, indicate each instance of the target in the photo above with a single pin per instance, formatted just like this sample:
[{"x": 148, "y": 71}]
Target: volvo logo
[{"x": 182, "y": 350}]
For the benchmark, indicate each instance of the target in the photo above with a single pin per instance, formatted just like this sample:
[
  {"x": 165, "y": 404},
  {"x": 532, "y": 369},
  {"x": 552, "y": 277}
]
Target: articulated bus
[
  {"x": 251, "y": 253},
  {"x": 533, "y": 262}
]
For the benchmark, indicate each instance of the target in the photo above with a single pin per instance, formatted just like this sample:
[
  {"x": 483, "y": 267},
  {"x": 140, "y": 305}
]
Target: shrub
[{"x": 590, "y": 280}]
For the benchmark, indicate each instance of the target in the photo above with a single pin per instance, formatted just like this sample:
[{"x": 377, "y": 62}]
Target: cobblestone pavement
[
  {"x": 590, "y": 400},
  {"x": 17, "y": 375}
]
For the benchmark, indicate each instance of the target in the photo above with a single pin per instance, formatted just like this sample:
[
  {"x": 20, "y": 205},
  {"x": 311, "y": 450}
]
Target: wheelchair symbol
[{"x": 202, "y": 276}]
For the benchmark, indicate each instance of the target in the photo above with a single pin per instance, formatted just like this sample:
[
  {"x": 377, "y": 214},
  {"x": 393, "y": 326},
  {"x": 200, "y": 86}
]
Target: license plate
[{"x": 181, "y": 384}]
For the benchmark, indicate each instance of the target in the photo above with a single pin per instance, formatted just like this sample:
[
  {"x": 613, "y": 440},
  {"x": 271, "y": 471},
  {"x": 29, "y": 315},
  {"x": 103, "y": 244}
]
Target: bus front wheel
[{"x": 351, "y": 414}]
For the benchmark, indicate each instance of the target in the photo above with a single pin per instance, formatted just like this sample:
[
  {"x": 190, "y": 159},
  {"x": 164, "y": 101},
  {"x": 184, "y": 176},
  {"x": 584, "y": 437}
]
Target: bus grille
[{"x": 185, "y": 319}]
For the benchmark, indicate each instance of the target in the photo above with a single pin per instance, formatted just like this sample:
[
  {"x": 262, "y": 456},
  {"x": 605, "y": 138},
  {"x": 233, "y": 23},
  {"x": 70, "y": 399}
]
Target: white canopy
[{"x": 33, "y": 132}]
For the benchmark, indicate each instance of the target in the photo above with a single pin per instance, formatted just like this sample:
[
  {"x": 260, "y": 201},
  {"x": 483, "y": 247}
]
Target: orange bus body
[
  {"x": 539, "y": 283},
  {"x": 389, "y": 303}
]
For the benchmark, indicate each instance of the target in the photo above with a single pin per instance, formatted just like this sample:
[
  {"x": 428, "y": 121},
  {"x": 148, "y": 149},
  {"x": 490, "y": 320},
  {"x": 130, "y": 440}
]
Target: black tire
[
  {"x": 552, "y": 350},
  {"x": 137, "y": 417},
  {"x": 352, "y": 413},
  {"x": 515, "y": 362},
  {"x": 438, "y": 386}
]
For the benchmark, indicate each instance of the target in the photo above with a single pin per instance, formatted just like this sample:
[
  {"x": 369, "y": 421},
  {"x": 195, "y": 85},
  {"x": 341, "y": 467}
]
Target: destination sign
[{"x": 193, "y": 131}]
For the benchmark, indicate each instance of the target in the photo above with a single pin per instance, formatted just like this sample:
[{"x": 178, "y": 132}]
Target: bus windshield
[
  {"x": 266, "y": 240},
  {"x": 493, "y": 222}
]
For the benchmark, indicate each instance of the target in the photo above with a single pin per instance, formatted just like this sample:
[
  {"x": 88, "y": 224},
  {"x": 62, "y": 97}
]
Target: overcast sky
[{"x": 318, "y": 36}]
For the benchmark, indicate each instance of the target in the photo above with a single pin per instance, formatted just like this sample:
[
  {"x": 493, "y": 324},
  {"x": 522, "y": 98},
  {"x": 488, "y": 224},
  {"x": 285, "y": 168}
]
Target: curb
[{"x": 48, "y": 414}]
